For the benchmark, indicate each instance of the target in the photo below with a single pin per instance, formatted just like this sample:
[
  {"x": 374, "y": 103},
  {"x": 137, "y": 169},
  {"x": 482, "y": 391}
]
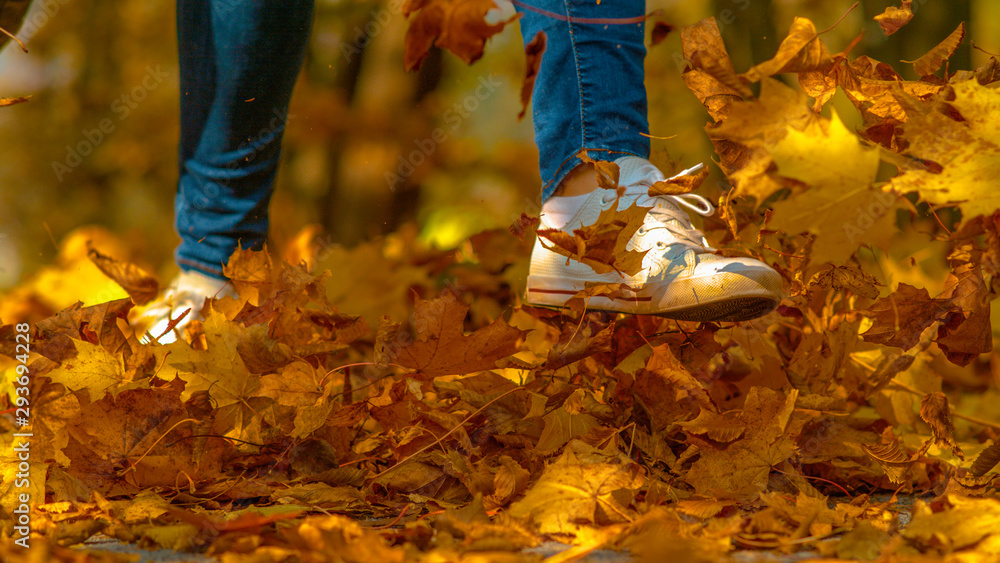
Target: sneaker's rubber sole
[{"x": 725, "y": 297}]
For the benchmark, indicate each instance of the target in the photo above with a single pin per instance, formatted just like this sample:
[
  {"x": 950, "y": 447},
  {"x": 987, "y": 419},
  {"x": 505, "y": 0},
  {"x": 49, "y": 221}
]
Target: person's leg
[
  {"x": 590, "y": 92},
  {"x": 239, "y": 62}
]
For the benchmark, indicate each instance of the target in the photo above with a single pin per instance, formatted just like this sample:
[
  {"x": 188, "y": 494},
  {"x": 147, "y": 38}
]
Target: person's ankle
[{"x": 579, "y": 181}]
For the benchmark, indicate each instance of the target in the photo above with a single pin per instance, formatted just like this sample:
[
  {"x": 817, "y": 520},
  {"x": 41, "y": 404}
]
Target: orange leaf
[
  {"x": 441, "y": 347},
  {"x": 457, "y": 25},
  {"x": 800, "y": 51},
  {"x": 607, "y": 172},
  {"x": 12, "y": 101},
  {"x": 962, "y": 338},
  {"x": 887, "y": 454},
  {"x": 141, "y": 286},
  {"x": 522, "y": 225},
  {"x": 680, "y": 185},
  {"x": 711, "y": 75},
  {"x": 986, "y": 460},
  {"x": 894, "y": 18},
  {"x": 900, "y": 317}
]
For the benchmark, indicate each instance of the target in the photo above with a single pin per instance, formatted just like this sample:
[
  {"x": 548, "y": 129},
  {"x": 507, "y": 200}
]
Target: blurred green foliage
[{"x": 356, "y": 115}]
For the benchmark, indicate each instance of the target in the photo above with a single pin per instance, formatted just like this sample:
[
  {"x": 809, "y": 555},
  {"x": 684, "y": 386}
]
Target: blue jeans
[
  {"x": 239, "y": 62},
  {"x": 590, "y": 92}
]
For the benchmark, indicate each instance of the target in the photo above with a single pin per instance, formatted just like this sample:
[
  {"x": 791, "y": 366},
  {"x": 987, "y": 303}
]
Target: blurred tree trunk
[
  {"x": 385, "y": 101},
  {"x": 748, "y": 29}
]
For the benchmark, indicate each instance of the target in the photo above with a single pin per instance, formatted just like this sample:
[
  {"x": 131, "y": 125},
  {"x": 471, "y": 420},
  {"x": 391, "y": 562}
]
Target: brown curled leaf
[{"x": 533, "y": 52}]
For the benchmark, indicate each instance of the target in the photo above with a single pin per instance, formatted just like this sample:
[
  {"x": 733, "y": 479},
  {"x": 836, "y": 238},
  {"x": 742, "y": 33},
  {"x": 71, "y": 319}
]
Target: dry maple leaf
[
  {"x": 845, "y": 278},
  {"x": 664, "y": 364},
  {"x": 141, "y": 286},
  {"x": 750, "y": 129},
  {"x": 711, "y": 75},
  {"x": 94, "y": 370},
  {"x": 13, "y": 101},
  {"x": 680, "y": 185},
  {"x": 725, "y": 427},
  {"x": 800, "y": 51},
  {"x": 579, "y": 347},
  {"x": 510, "y": 480},
  {"x": 442, "y": 348},
  {"x": 986, "y": 74},
  {"x": 111, "y": 436},
  {"x": 457, "y": 25},
  {"x": 52, "y": 407},
  {"x": 831, "y": 208},
  {"x": 583, "y": 487},
  {"x": 533, "y": 52},
  {"x": 743, "y": 465},
  {"x": 879, "y": 92},
  {"x": 962, "y": 337},
  {"x": 603, "y": 245},
  {"x": 893, "y": 18},
  {"x": 958, "y": 522},
  {"x": 900, "y": 317},
  {"x": 97, "y": 324},
  {"x": 607, "y": 172},
  {"x": 965, "y": 148},
  {"x": 522, "y": 225},
  {"x": 220, "y": 371}
]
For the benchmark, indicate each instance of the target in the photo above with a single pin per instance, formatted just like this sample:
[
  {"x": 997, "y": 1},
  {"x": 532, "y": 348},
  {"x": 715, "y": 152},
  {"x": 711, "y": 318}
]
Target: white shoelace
[
  {"x": 668, "y": 210},
  {"x": 667, "y": 214}
]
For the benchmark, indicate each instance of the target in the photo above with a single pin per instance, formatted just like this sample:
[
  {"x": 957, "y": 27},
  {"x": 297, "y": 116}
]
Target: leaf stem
[
  {"x": 133, "y": 465},
  {"x": 448, "y": 433}
]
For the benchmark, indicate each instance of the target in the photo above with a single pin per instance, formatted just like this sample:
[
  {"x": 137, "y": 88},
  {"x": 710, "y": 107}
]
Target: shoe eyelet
[
  {"x": 641, "y": 231},
  {"x": 661, "y": 245}
]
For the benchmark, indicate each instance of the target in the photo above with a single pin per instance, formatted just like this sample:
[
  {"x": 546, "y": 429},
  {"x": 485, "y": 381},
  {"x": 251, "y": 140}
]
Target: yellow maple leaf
[
  {"x": 841, "y": 208},
  {"x": 744, "y": 465},
  {"x": 220, "y": 371},
  {"x": 15, "y": 482},
  {"x": 960, "y": 522},
  {"x": 581, "y": 488},
  {"x": 95, "y": 370},
  {"x": 744, "y": 139},
  {"x": 967, "y": 150}
]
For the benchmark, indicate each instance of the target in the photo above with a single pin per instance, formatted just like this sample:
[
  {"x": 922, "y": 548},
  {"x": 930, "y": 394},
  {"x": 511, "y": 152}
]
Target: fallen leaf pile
[{"x": 397, "y": 403}]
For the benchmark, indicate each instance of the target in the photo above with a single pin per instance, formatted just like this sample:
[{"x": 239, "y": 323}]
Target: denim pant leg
[
  {"x": 590, "y": 91},
  {"x": 239, "y": 61}
]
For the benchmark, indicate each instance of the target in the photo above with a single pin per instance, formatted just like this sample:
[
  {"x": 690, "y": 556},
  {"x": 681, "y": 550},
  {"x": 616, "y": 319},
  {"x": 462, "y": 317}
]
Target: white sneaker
[
  {"x": 680, "y": 278},
  {"x": 183, "y": 299}
]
